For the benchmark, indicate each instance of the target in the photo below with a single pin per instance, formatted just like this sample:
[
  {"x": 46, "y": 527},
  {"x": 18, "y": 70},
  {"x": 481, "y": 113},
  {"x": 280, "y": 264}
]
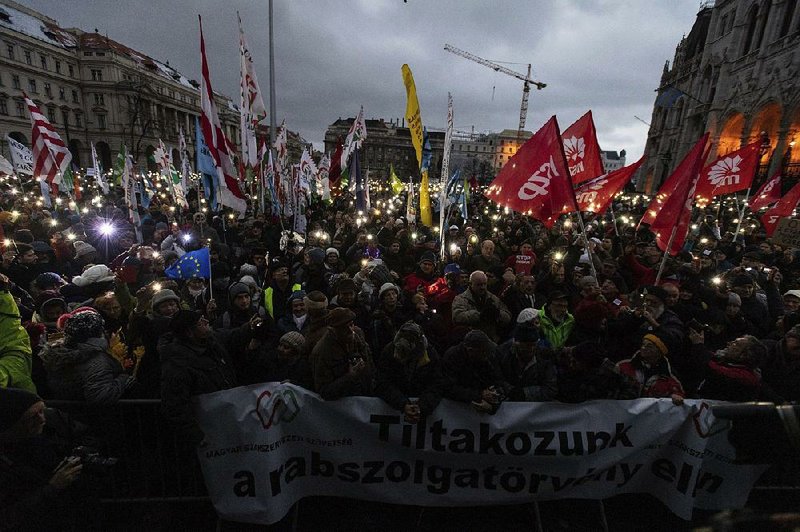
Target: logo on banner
[
  {"x": 574, "y": 149},
  {"x": 273, "y": 408},
  {"x": 725, "y": 172},
  {"x": 706, "y": 424},
  {"x": 591, "y": 190},
  {"x": 537, "y": 184}
]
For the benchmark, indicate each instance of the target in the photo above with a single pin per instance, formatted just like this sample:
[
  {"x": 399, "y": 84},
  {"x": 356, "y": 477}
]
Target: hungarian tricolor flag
[
  {"x": 335, "y": 176},
  {"x": 676, "y": 209},
  {"x": 582, "y": 150},
  {"x": 769, "y": 193},
  {"x": 728, "y": 174},
  {"x": 596, "y": 195},
  {"x": 782, "y": 209},
  {"x": 536, "y": 180}
]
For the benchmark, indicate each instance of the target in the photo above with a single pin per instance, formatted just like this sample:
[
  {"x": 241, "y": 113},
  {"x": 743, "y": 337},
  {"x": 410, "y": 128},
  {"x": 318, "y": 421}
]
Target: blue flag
[
  {"x": 205, "y": 166},
  {"x": 192, "y": 264},
  {"x": 668, "y": 97}
]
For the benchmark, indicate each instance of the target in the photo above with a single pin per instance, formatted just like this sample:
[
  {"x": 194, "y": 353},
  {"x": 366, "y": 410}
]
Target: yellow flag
[
  {"x": 394, "y": 181},
  {"x": 425, "y": 201},
  {"x": 412, "y": 112}
]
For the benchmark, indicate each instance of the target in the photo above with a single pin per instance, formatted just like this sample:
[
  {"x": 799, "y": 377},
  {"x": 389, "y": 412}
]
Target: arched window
[
  {"x": 788, "y": 15},
  {"x": 104, "y": 154},
  {"x": 19, "y": 137},
  {"x": 762, "y": 29},
  {"x": 75, "y": 151},
  {"x": 752, "y": 18}
]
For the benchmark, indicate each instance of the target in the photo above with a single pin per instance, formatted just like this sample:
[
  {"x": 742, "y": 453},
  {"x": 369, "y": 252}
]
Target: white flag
[
  {"x": 97, "y": 171},
  {"x": 5, "y": 166},
  {"x": 21, "y": 156},
  {"x": 356, "y": 135},
  {"x": 251, "y": 105}
]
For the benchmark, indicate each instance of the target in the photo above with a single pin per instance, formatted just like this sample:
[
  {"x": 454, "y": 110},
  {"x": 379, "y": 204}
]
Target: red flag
[
  {"x": 782, "y": 209},
  {"x": 536, "y": 180},
  {"x": 676, "y": 211},
  {"x": 335, "y": 175},
  {"x": 769, "y": 193},
  {"x": 730, "y": 173},
  {"x": 230, "y": 194},
  {"x": 596, "y": 195},
  {"x": 582, "y": 150}
]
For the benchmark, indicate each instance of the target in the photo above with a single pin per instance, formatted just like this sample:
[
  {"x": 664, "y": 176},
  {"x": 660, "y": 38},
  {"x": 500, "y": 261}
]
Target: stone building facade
[
  {"x": 734, "y": 75},
  {"x": 94, "y": 90}
]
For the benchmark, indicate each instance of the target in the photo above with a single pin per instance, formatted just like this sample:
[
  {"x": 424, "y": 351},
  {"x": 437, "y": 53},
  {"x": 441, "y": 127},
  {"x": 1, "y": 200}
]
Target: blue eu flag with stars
[{"x": 193, "y": 264}]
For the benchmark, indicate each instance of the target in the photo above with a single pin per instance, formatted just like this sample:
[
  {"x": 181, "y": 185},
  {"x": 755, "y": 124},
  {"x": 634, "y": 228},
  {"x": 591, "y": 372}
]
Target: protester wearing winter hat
[
  {"x": 529, "y": 371},
  {"x": 241, "y": 309},
  {"x": 80, "y": 367},
  {"x": 286, "y": 362},
  {"x": 16, "y": 361},
  {"x": 296, "y": 318},
  {"x": 424, "y": 280},
  {"x": 35, "y": 476},
  {"x": 651, "y": 371},
  {"x": 471, "y": 373},
  {"x": 317, "y": 308},
  {"x": 409, "y": 367},
  {"x": 341, "y": 360},
  {"x": 85, "y": 253}
]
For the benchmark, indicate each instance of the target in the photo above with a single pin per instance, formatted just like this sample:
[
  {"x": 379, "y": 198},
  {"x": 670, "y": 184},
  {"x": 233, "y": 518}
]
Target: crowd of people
[{"x": 496, "y": 308}]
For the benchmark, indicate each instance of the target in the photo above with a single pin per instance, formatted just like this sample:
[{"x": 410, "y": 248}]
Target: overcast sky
[{"x": 333, "y": 56}]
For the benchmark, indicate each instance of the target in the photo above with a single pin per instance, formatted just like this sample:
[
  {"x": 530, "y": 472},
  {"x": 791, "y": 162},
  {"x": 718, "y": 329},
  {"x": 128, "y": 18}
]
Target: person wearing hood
[
  {"x": 80, "y": 367},
  {"x": 16, "y": 361},
  {"x": 409, "y": 367},
  {"x": 296, "y": 317},
  {"x": 49, "y": 307}
]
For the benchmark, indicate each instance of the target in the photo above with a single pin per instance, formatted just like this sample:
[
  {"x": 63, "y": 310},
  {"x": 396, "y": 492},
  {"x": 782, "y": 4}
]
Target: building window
[
  {"x": 100, "y": 54},
  {"x": 78, "y": 120},
  {"x": 51, "y": 114},
  {"x": 71, "y": 71},
  {"x": 21, "y": 109},
  {"x": 99, "y": 100},
  {"x": 28, "y": 58},
  {"x": 101, "y": 121},
  {"x": 58, "y": 67},
  {"x": 47, "y": 90},
  {"x": 88, "y": 54},
  {"x": 1, "y": 80},
  {"x": 75, "y": 96},
  {"x": 62, "y": 94},
  {"x": 10, "y": 51},
  {"x": 32, "y": 85},
  {"x": 97, "y": 75},
  {"x": 788, "y": 14},
  {"x": 723, "y": 25},
  {"x": 65, "y": 115},
  {"x": 3, "y": 106},
  {"x": 43, "y": 60},
  {"x": 15, "y": 81}
]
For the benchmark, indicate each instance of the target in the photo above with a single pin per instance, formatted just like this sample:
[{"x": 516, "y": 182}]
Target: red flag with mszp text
[
  {"x": 728, "y": 174},
  {"x": 676, "y": 211},
  {"x": 596, "y": 195},
  {"x": 536, "y": 180},
  {"x": 769, "y": 193},
  {"x": 782, "y": 209}
]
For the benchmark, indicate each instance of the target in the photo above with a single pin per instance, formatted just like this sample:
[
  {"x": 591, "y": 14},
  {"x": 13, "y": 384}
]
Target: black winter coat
[
  {"x": 537, "y": 381},
  {"x": 397, "y": 382},
  {"x": 467, "y": 378}
]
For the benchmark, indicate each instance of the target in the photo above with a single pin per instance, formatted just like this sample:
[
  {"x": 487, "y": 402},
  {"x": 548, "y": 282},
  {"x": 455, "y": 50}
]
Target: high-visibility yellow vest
[{"x": 268, "y": 304}]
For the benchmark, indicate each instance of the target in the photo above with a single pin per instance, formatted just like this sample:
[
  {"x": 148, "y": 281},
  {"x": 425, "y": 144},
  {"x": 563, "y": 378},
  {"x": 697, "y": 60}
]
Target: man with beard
[
  {"x": 424, "y": 280},
  {"x": 555, "y": 321},
  {"x": 528, "y": 370},
  {"x": 732, "y": 374},
  {"x": 480, "y": 309},
  {"x": 520, "y": 295},
  {"x": 627, "y": 331},
  {"x": 342, "y": 362}
]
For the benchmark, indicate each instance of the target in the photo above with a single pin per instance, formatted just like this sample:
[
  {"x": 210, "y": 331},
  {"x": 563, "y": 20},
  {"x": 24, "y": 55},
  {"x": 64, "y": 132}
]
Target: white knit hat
[
  {"x": 99, "y": 273},
  {"x": 82, "y": 248}
]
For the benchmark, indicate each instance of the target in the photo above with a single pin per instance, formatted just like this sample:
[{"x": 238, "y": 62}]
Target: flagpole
[
  {"x": 586, "y": 244},
  {"x": 613, "y": 217},
  {"x": 272, "y": 103},
  {"x": 210, "y": 280},
  {"x": 666, "y": 252}
]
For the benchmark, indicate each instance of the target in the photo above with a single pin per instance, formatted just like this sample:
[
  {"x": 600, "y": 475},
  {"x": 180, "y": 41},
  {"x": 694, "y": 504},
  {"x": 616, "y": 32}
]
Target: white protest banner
[
  {"x": 21, "y": 156},
  {"x": 269, "y": 445}
]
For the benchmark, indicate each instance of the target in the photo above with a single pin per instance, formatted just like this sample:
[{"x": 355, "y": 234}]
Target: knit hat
[
  {"x": 99, "y": 273},
  {"x": 249, "y": 281},
  {"x": 452, "y": 268},
  {"x": 428, "y": 256},
  {"x": 340, "y": 317},
  {"x": 331, "y": 251},
  {"x": 161, "y": 226},
  {"x": 41, "y": 247},
  {"x": 409, "y": 340},
  {"x": 346, "y": 284},
  {"x": 741, "y": 280},
  {"x": 164, "y": 295},
  {"x": 527, "y": 315},
  {"x": 294, "y": 340},
  {"x": 315, "y": 300},
  {"x": 23, "y": 235},
  {"x": 82, "y": 325},
  {"x": 297, "y": 295},
  {"x": 658, "y": 342},
  {"x": 15, "y": 403},
  {"x": 184, "y": 320},
  {"x": 792, "y": 293},
  {"x": 47, "y": 280},
  {"x": 734, "y": 298},
  {"x": 316, "y": 255},
  {"x": 82, "y": 248},
  {"x": 526, "y": 333},
  {"x": 478, "y": 339},
  {"x": 590, "y": 313},
  {"x": 248, "y": 269},
  {"x": 237, "y": 289},
  {"x": 385, "y": 287},
  {"x": 47, "y": 297}
]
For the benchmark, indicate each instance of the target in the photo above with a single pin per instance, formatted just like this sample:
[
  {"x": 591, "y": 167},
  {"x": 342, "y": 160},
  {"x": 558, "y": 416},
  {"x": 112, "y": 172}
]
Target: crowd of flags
[{"x": 552, "y": 174}]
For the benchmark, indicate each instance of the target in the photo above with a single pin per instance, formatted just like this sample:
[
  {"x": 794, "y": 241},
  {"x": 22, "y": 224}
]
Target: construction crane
[{"x": 526, "y": 79}]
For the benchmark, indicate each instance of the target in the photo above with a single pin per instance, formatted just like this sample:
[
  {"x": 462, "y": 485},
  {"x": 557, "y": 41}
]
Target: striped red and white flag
[
  {"x": 51, "y": 157},
  {"x": 221, "y": 151}
]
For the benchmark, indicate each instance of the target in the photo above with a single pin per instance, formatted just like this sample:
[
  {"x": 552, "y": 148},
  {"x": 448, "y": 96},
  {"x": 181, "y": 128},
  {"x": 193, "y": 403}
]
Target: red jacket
[{"x": 657, "y": 381}]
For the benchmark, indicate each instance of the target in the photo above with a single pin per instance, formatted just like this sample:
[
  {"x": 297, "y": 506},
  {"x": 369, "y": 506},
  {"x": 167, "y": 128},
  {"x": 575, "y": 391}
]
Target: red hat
[{"x": 590, "y": 313}]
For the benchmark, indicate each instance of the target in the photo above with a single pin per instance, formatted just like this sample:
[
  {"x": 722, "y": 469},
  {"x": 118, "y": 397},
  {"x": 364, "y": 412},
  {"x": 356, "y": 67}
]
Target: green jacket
[
  {"x": 16, "y": 360},
  {"x": 556, "y": 334}
]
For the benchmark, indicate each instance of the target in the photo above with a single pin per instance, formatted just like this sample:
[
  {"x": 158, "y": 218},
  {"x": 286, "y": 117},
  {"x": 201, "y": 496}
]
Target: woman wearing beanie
[
  {"x": 80, "y": 367},
  {"x": 285, "y": 363}
]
